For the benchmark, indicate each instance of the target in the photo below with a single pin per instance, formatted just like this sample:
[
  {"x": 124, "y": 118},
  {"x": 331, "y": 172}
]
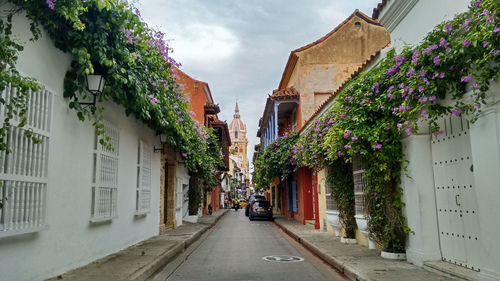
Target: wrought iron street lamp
[
  {"x": 95, "y": 85},
  {"x": 163, "y": 141}
]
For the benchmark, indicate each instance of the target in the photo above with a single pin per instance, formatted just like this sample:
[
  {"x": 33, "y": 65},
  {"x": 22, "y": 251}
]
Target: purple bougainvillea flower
[
  {"x": 442, "y": 75},
  {"x": 436, "y": 60},
  {"x": 495, "y": 53},
  {"x": 465, "y": 44},
  {"x": 424, "y": 113},
  {"x": 485, "y": 44},
  {"x": 378, "y": 146},
  {"x": 184, "y": 155},
  {"x": 448, "y": 28},
  {"x": 51, "y": 4},
  {"x": 478, "y": 4},
  {"x": 432, "y": 98},
  {"x": 497, "y": 29},
  {"x": 180, "y": 119},
  {"x": 438, "y": 133},
  {"x": 477, "y": 86},
  {"x": 399, "y": 125},
  {"x": 411, "y": 72},
  {"x": 408, "y": 131},
  {"x": 466, "y": 79},
  {"x": 354, "y": 138}
]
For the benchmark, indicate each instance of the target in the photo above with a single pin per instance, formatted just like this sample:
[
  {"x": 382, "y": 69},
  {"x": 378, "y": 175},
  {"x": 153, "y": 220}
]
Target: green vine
[
  {"x": 343, "y": 193},
  {"x": 275, "y": 160},
  {"x": 377, "y": 108},
  {"x": 110, "y": 38}
]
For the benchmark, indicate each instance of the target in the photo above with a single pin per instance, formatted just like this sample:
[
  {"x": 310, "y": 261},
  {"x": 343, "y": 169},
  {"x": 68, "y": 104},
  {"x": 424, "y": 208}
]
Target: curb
[
  {"x": 149, "y": 270},
  {"x": 345, "y": 269}
]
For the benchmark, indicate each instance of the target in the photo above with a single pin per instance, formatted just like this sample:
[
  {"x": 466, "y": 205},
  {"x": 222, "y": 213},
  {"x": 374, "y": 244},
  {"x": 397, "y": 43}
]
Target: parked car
[
  {"x": 252, "y": 199},
  {"x": 262, "y": 209}
]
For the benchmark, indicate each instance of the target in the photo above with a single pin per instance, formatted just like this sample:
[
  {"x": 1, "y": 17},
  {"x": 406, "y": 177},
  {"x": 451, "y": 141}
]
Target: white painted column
[
  {"x": 485, "y": 142},
  {"x": 420, "y": 202}
]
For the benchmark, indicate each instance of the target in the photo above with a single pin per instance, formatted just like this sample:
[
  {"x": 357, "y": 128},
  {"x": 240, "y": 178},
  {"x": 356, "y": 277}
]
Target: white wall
[
  {"x": 182, "y": 178},
  {"x": 422, "y": 17},
  {"x": 71, "y": 241},
  {"x": 409, "y": 21}
]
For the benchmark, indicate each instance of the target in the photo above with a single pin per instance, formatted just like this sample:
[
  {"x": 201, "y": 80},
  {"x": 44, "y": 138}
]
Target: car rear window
[{"x": 262, "y": 204}]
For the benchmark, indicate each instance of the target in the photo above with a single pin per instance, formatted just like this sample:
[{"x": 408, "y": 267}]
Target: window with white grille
[
  {"x": 105, "y": 176},
  {"x": 359, "y": 185},
  {"x": 23, "y": 171},
  {"x": 143, "y": 192}
]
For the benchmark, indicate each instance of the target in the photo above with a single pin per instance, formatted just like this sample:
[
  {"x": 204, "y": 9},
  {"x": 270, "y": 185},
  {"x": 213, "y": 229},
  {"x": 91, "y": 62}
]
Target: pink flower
[
  {"x": 184, "y": 155},
  {"x": 431, "y": 98},
  {"x": 448, "y": 28},
  {"x": 378, "y": 146},
  {"x": 354, "y": 138},
  {"x": 485, "y": 44},
  {"x": 465, "y": 44},
  {"x": 424, "y": 113},
  {"x": 477, "y": 86},
  {"x": 51, "y": 4},
  {"x": 466, "y": 79},
  {"x": 436, "y": 60}
]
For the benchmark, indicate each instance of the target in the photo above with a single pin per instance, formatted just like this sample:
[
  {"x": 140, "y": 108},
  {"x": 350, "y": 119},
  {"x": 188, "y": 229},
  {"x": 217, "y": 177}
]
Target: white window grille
[
  {"x": 331, "y": 205},
  {"x": 143, "y": 192},
  {"x": 359, "y": 185},
  {"x": 23, "y": 171},
  {"x": 105, "y": 176}
]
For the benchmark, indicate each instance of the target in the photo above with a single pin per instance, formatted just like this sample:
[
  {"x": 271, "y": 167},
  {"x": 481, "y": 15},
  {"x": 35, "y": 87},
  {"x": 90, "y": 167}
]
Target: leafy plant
[
  {"x": 275, "y": 160},
  {"x": 340, "y": 179},
  {"x": 110, "y": 38},
  {"x": 377, "y": 108}
]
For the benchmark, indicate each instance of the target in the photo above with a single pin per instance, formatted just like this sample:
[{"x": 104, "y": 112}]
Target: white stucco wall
[
  {"x": 422, "y": 17},
  {"x": 71, "y": 241},
  {"x": 408, "y": 25},
  {"x": 182, "y": 179}
]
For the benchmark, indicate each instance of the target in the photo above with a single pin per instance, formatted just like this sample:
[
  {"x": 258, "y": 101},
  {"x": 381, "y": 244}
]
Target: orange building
[{"x": 204, "y": 110}]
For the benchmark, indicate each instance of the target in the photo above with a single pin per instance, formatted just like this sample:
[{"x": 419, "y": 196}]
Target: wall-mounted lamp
[
  {"x": 163, "y": 141},
  {"x": 95, "y": 85}
]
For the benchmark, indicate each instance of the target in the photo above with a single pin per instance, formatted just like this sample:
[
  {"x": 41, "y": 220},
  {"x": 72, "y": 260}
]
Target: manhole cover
[{"x": 283, "y": 258}]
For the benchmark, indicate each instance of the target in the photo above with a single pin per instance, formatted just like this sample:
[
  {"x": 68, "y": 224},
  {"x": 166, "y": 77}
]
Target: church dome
[{"x": 237, "y": 124}]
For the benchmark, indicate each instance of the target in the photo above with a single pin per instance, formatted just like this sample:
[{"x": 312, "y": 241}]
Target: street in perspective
[
  {"x": 237, "y": 249},
  {"x": 249, "y": 140}
]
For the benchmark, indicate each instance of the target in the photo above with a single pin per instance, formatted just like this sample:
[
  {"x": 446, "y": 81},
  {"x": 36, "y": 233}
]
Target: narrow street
[{"x": 234, "y": 250}]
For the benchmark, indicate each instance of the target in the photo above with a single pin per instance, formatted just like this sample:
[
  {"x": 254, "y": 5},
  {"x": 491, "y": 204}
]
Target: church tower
[{"x": 238, "y": 150}]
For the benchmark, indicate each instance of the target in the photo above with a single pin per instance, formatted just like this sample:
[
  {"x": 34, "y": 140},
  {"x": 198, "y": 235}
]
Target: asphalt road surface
[{"x": 234, "y": 250}]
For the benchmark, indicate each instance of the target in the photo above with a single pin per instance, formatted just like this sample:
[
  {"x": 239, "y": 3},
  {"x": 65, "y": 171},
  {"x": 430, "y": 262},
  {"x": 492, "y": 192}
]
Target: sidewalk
[
  {"x": 355, "y": 261},
  {"x": 140, "y": 261}
]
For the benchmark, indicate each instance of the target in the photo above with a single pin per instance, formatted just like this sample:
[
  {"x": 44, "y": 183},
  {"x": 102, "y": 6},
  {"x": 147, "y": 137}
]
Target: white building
[
  {"x": 452, "y": 196},
  {"x": 69, "y": 201}
]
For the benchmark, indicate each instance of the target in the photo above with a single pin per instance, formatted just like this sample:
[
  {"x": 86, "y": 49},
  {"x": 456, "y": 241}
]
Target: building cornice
[{"x": 394, "y": 12}]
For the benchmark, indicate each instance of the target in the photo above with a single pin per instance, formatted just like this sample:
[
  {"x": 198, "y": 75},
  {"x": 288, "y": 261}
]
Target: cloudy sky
[{"x": 240, "y": 47}]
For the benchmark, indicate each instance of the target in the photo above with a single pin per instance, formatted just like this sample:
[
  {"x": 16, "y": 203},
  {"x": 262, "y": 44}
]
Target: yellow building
[{"x": 238, "y": 161}]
